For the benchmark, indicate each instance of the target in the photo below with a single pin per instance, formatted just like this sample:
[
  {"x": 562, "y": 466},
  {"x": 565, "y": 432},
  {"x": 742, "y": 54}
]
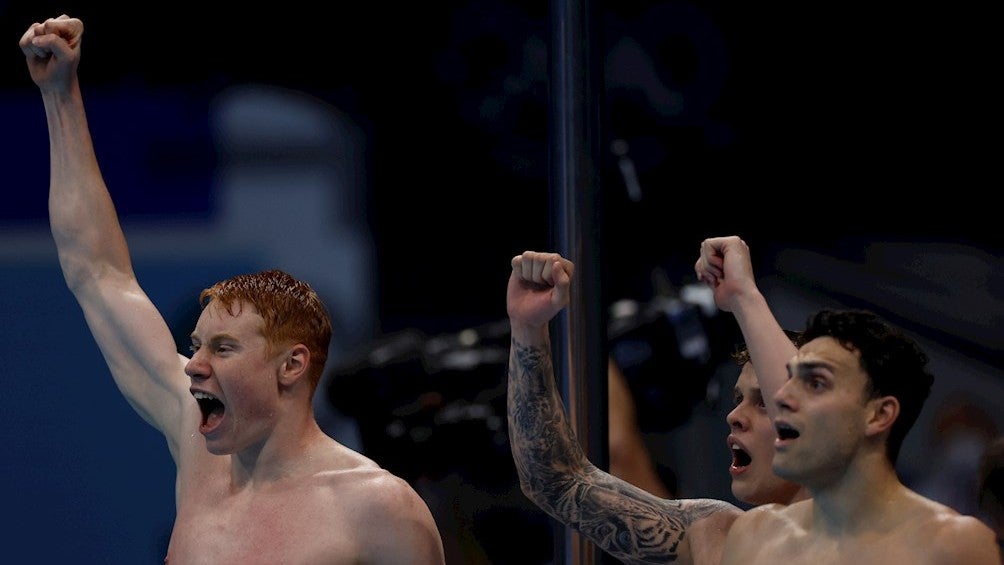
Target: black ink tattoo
[{"x": 621, "y": 519}]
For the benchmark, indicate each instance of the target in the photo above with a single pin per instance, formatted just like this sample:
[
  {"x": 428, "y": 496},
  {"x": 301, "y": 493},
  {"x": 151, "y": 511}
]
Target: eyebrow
[
  {"x": 215, "y": 339},
  {"x": 736, "y": 391},
  {"x": 807, "y": 366}
]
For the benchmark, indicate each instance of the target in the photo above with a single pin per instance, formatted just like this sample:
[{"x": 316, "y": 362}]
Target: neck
[
  {"x": 862, "y": 496},
  {"x": 285, "y": 452}
]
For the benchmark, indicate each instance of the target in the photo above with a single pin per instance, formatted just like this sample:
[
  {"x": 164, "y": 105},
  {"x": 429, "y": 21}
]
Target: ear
[
  {"x": 882, "y": 413},
  {"x": 294, "y": 367}
]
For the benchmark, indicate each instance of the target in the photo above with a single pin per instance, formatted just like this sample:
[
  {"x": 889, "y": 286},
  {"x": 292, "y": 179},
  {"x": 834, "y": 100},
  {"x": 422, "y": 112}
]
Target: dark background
[
  {"x": 825, "y": 136},
  {"x": 780, "y": 123}
]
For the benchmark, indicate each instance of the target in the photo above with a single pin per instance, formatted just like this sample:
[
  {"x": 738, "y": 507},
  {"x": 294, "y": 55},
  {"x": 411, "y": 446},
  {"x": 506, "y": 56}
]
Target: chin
[
  {"x": 754, "y": 498},
  {"x": 216, "y": 451},
  {"x": 217, "y": 448},
  {"x": 744, "y": 493}
]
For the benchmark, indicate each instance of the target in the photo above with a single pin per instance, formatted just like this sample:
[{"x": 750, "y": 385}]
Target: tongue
[{"x": 212, "y": 421}]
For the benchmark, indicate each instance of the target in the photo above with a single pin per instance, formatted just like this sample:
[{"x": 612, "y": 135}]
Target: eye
[
  {"x": 193, "y": 348},
  {"x": 737, "y": 399},
  {"x": 814, "y": 382}
]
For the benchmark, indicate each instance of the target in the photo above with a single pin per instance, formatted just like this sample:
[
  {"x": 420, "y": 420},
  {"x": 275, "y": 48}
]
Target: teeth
[{"x": 203, "y": 396}]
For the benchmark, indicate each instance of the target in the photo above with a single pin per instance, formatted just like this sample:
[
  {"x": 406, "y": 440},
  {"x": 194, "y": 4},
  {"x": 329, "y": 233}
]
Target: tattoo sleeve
[{"x": 621, "y": 519}]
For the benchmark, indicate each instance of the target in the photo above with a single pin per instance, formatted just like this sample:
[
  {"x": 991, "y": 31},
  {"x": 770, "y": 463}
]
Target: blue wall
[{"x": 85, "y": 480}]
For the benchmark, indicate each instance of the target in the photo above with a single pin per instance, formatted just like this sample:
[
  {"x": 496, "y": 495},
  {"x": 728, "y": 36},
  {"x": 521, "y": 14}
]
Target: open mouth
[
  {"x": 740, "y": 458},
  {"x": 785, "y": 432},
  {"x": 212, "y": 410}
]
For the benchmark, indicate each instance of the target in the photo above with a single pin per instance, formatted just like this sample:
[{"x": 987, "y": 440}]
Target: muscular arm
[
  {"x": 132, "y": 335},
  {"x": 621, "y": 519}
]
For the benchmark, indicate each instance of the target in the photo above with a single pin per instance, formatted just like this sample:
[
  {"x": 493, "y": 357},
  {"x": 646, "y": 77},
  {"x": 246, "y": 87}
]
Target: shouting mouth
[
  {"x": 212, "y": 411},
  {"x": 741, "y": 458}
]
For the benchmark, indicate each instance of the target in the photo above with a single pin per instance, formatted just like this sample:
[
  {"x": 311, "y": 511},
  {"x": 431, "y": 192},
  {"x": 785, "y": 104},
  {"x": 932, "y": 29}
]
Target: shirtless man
[
  {"x": 856, "y": 387},
  {"x": 258, "y": 481},
  {"x": 625, "y": 521}
]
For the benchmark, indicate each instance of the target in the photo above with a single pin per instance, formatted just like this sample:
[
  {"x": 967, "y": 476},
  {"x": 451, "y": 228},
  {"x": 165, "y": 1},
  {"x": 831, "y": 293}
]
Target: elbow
[
  {"x": 547, "y": 489},
  {"x": 77, "y": 274},
  {"x": 529, "y": 485}
]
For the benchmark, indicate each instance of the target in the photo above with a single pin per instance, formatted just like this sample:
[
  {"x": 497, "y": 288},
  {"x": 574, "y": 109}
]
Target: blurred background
[{"x": 397, "y": 157}]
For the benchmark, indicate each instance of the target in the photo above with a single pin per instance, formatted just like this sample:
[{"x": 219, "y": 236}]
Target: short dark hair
[{"x": 895, "y": 364}]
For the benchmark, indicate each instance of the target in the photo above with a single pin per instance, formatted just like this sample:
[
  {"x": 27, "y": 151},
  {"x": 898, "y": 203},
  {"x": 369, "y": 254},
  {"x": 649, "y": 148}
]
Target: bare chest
[
  {"x": 281, "y": 528},
  {"x": 866, "y": 550}
]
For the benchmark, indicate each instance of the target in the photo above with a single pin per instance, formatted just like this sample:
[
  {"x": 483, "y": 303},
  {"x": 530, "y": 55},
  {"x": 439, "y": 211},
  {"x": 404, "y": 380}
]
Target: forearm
[
  {"x": 621, "y": 519},
  {"x": 548, "y": 457},
  {"x": 134, "y": 339},
  {"x": 769, "y": 347},
  {"x": 82, "y": 216}
]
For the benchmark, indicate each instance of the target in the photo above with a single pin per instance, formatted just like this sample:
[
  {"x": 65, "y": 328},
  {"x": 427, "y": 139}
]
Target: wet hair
[
  {"x": 742, "y": 354},
  {"x": 291, "y": 310},
  {"x": 894, "y": 363}
]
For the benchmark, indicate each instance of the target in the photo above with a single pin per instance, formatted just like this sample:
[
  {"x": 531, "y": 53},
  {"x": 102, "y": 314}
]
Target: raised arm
[
  {"x": 132, "y": 335},
  {"x": 621, "y": 519},
  {"x": 725, "y": 266}
]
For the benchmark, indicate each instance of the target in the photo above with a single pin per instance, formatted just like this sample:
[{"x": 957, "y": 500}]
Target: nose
[
  {"x": 735, "y": 418},
  {"x": 196, "y": 368},
  {"x": 783, "y": 397}
]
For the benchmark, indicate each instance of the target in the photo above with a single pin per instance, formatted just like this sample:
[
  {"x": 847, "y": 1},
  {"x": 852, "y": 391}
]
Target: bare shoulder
[
  {"x": 383, "y": 491},
  {"x": 951, "y": 537},
  {"x": 705, "y": 513},
  {"x": 767, "y": 516},
  {"x": 375, "y": 492},
  {"x": 759, "y": 530},
  {"x": 390, "y": 520},
  {"x": 707, "y": 534}
]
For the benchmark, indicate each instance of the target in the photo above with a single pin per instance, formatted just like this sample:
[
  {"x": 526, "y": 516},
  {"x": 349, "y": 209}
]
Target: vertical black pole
[{"x": 576, "y": 84}]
